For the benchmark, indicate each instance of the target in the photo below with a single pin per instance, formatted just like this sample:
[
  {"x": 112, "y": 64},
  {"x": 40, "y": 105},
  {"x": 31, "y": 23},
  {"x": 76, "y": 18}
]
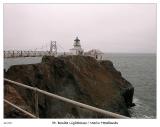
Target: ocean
[{"x": 138, "y": 69}]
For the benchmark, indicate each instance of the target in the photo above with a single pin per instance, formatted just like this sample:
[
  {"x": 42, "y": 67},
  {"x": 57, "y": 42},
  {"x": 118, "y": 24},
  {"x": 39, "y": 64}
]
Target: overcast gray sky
[{"x": 108, "y": 27}]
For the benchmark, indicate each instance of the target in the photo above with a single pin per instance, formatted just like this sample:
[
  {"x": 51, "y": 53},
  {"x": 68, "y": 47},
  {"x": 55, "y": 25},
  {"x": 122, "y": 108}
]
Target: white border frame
[{"x": 48, "y": 122}]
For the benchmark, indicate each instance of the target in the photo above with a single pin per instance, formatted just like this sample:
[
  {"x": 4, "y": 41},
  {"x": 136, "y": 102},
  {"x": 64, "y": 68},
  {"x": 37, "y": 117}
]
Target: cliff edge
[{"x": 81, "y": 78}]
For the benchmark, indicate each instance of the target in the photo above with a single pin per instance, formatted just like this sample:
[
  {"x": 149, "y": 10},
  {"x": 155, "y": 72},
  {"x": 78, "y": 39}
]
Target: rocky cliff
[{"x": 80, "y": 78}]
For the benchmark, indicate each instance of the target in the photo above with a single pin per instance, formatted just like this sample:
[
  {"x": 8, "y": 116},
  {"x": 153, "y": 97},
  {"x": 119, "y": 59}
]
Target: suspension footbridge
[{"x": 52, "y": 51}]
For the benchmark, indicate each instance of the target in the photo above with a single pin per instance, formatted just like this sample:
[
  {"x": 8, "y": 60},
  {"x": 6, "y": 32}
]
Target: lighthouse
[{"x": 76, "y": 50}]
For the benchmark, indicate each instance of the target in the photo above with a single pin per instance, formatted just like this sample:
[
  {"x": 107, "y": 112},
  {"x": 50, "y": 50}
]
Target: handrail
[
  {"x": 22, "y": 110},
  {"x": 20, "y": 53},
  {"x": 98, "y": 110}
]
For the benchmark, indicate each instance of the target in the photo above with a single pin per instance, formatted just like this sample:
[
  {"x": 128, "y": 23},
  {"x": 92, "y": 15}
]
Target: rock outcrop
[{"x": 81, "y": 78}]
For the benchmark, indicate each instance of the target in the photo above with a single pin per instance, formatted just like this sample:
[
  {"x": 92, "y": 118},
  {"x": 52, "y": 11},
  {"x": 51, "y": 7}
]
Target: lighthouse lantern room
[{"x": 77, "y": 50}]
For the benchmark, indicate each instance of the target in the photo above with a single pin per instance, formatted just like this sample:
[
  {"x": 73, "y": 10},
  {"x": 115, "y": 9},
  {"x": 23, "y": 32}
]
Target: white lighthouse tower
[{"x": 77, "y": 50}]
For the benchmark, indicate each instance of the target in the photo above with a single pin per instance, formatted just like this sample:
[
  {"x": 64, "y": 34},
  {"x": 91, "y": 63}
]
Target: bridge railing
[
  {"x": 19, "y": 53},
  {"x": 36, "y": 90}
]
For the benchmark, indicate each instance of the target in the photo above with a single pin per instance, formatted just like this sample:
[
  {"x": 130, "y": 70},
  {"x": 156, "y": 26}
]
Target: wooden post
[
  {"x": 28, "y": 54},
  {"x": 36, "y": 104},
  {"x": 21, "y": 54},
  {"x": 4, "y": 54},
  {"x": 35, "y": 53},
  {"x": 13, "y": 53}
]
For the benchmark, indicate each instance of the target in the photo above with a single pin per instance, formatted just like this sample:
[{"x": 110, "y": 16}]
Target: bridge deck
[{"x": 19, "y": 53}]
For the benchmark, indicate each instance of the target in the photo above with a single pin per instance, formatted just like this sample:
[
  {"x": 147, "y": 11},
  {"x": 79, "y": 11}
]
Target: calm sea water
[{"x": 138, "y": 69}]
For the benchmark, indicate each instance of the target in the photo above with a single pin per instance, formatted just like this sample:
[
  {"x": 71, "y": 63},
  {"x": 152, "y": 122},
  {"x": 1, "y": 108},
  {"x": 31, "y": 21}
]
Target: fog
[{"x": 122, "y": 28}]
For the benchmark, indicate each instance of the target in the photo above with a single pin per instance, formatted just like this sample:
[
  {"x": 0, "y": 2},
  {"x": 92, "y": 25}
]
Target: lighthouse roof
[
  {"x": 77, "y": 39},
  {"x": 77, "y": 42}
]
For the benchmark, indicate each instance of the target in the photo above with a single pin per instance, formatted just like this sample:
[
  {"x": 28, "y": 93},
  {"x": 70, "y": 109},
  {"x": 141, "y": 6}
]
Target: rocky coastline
[{"x": 81, "y": 78}]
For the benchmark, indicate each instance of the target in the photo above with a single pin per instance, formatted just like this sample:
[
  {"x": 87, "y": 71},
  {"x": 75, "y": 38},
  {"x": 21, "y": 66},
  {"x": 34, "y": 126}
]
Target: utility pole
[{"x": 53, "y": 46}]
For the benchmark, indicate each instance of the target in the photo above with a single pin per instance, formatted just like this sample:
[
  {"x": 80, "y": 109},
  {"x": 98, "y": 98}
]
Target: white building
[
  {"x": 97, "y": 54},
  {"x": 77, "y": 50}
]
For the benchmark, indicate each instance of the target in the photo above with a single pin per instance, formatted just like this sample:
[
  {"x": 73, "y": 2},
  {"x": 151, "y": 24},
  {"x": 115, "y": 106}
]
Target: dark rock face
[{"x": 80, "y": 78}]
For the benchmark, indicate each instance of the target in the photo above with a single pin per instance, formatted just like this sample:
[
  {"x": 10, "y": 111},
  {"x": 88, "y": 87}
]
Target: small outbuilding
[{"x": 97, "y": 54}]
